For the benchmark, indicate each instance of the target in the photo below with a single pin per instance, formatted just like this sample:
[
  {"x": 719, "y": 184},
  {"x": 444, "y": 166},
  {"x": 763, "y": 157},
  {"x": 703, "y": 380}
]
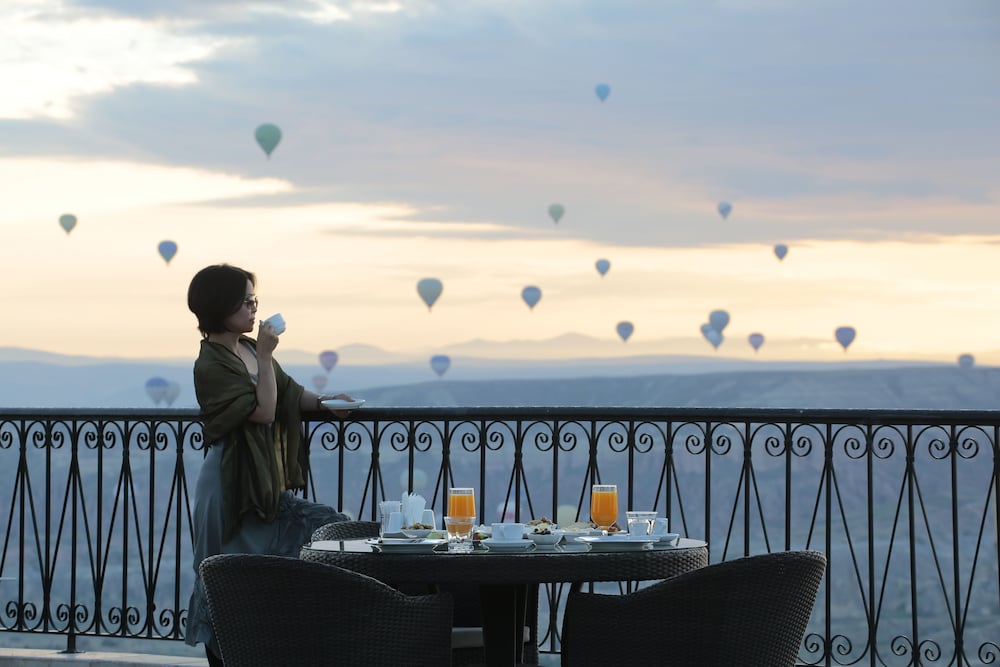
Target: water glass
[
  {"x": 385, "y": 510},
  {"x": 459, "y": 533},
  {"x": 640, "y": 524}
]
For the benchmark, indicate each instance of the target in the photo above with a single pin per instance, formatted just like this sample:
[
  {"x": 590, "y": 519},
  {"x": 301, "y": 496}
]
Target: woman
[{"x": 251, "y": 413}]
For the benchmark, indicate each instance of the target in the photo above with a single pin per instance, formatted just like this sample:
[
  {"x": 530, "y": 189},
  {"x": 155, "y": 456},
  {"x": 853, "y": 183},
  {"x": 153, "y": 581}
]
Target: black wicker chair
[
  {"x": 750, "y": 612},
  {"x": 467, "y": 634},
  {"x": 273, "y": 610}
]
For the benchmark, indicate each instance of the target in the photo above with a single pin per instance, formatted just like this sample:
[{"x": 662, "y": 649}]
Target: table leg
[{"x": 503, "y": 623}]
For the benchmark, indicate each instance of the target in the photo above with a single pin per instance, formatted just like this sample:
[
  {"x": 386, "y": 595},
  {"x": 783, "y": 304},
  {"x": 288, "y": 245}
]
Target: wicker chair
[
  {"x": 467, "y": 634},
  {"x": 273, "y": 610},
  {"x": 750, "y": 612}
]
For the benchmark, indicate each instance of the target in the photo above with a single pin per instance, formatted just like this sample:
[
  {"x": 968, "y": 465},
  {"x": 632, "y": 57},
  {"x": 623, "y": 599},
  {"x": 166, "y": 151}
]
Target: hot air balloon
[
  {"x": 711, "y": 335},
  {"x": 780, "y": 251},
  {"x": 625, "y": 330},
  {"x": 756, "y": 340},
  {"x": 267, "y": 136},
  {"x": 319, "y": 382},
  {"x": 167, "y": 250},
  {"x": 328, "y": 359},
  {"x": 603, "y": 90},
  {"x": 156, "y": 388},
  {"x": 556, "y": 212},
  {"x": 429, "y": 290},
  {"x": 440, "y": 363},
  {"x": 173, "y": 391},
  {"x": 724, "y": 209},
  {"x": 966, "y": 361},
  {"x": 718, "y": 319},
  {"x": 67, "y": 222},
  {"x": 531, "y": 295},
  {"x": 602, "y": 266},
  {"x": 844, "y": 336}
]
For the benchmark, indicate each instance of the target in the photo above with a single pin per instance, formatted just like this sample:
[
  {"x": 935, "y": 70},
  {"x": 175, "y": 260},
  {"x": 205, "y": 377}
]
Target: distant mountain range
[{"x": 36, "y": 379}]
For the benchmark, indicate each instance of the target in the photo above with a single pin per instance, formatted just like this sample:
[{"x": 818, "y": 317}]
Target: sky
[{"x": 429, "y": 138}]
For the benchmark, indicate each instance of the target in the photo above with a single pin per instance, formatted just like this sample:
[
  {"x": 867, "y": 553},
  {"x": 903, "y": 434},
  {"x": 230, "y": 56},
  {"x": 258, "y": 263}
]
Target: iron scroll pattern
[{"x": 96, "y": 507}]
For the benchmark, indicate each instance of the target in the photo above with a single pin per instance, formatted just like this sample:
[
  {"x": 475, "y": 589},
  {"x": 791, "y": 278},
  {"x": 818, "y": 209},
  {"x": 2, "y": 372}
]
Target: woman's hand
[{"x": 267, "y": 339}]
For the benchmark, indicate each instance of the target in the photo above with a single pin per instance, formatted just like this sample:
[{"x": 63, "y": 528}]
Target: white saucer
[
  {"x": 341, "y": 404},
  {"x": 507, "y": 545}
]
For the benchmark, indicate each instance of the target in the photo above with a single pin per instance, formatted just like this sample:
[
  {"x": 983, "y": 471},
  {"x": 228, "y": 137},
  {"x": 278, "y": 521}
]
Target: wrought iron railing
[{"x": 95, "y": 506}]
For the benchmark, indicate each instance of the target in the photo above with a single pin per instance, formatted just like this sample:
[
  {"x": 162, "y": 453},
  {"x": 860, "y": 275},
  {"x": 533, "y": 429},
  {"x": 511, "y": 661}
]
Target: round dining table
[{"x": 504, "y": 578}]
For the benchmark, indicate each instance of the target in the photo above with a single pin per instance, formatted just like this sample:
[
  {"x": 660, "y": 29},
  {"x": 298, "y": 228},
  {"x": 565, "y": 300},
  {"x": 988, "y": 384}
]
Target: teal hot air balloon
[
  {"x": 780, "y": 251},
  {"x": 624, "y": 330},
  {"x": 67, "y": 221},
  {"x": 429, "y": 290},
  {"x": 167, "y": 250},
  {"x": 531, "y": 295},
  {"x": 603, "y": 90},
  {"x": 440, "y": 364},
  {"x": 712, "y": 335},
  {"x": 556, "y": 212},
  {"x": 268, "y": 136},
  {"x": 724, "y": 209},
  {"x": 328, "y": 359},
  {"x": 845, "y": 336},
  {"x": 602, "y": 266},
  {"x": 756, "y": 340}
]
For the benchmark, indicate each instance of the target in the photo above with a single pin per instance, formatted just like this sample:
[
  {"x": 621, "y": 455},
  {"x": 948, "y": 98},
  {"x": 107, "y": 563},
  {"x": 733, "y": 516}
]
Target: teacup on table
[{"x": 508, "y": 532}]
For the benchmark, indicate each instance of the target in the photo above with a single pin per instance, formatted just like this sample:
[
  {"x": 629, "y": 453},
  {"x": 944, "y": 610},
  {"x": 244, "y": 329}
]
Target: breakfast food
[{"x": 419, "y": 526}]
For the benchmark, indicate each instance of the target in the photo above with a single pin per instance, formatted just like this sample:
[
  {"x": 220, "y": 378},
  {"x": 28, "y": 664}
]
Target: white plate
[
  {"x": 508, "y": 545},
  {"x": 626, "y": 543},
  {"x": 341, "y": 404},
  {"x": 568, "y": 532},
  {"x": 668, "y": 541},
  {"x": 420, "y": 532},
  {"x": 405, "y": 546}
]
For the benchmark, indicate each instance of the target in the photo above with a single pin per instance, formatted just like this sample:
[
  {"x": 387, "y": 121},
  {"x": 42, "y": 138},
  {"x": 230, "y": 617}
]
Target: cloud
[{"x": 826, "y": 120}]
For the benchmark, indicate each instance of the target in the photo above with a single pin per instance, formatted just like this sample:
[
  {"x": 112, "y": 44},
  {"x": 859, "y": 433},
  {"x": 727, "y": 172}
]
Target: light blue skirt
[{"x": 297, "y": 519}]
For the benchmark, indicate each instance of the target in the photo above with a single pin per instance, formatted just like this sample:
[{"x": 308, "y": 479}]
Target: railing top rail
[{"x": 796, "y": 415}]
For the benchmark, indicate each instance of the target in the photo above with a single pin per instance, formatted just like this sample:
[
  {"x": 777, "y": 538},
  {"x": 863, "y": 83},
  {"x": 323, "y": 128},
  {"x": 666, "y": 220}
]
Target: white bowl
[{"x": 546, "y": 540}]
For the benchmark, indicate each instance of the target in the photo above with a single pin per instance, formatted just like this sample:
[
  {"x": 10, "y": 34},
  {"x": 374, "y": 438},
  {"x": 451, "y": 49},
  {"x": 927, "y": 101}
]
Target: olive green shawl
[{"x": 251, "y": 479}]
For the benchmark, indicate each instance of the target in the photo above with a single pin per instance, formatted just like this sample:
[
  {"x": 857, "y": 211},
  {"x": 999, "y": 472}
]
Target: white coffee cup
[
  {"x": 661, "y": 526},
  {"x": 508, "y": 532},
  {"x": 278, "y": 322}
]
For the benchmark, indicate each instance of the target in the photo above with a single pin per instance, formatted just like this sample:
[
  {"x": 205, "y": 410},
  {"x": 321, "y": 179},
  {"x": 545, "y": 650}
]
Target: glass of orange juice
[
  {"x": 604, "y": 505},
  {"x": 461, "y": 502}
]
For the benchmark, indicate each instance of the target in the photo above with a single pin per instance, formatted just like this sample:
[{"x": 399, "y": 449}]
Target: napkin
[{"x": 413, "y": 508}]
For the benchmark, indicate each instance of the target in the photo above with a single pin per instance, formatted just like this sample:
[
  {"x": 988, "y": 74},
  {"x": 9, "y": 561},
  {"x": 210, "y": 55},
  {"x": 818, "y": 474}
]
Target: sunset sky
[{"x": 428, "y": 139}]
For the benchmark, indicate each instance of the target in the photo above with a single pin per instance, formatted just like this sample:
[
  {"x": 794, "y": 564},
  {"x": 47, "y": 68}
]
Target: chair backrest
[
  {"x": 273, "y": 610},
  {"x": 346, "y": 530},
  {"x": 751, "y": 612}
]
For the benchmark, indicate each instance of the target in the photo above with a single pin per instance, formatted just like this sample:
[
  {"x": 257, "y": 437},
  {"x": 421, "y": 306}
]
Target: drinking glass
[
  {"x": 459, "y": 533},
  {"x": 640, "y": 523},
  {"x": 604, "y": 505},
  {"x": 461, "y": 501},
  {"x": 385, "y": 510}
]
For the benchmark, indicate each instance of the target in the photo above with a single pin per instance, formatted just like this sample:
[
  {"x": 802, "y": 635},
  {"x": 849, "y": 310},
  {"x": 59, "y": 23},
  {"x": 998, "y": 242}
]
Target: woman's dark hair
[{"x": 215, "y": 293}]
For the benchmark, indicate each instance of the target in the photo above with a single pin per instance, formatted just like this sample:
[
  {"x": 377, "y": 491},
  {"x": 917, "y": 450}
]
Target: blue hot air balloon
[
  {"x": 756, "y": 340},
  {"x": 780, "y": 251},
  {"x": 440, "y": 364},
  {"x": 172, "y": 392},
  {"x": 966, "y": 361},
  {"x": 268, "y": 136},
  {"x": 719, "y": 319},
  {"x": 711, "y": 335},
  {"x": 328, "y": 359},
  {"x": 67, "y": 221},
  {"x": 167, "y": 250},
  {"x": 603, "y": 90},
  {"x": 556, "y": 212},
  {"x": 429, "y": 290},
  {"x": 531, "y": 296},
  {"x": 156, "y": 389},
  {"x": 319, "y": 382},
  {"x": 724, "y": 209},
  {"x": 602, "y": 266},
  {"x": 844, "y": 336},
  {"x": 625, "y": 330}
]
